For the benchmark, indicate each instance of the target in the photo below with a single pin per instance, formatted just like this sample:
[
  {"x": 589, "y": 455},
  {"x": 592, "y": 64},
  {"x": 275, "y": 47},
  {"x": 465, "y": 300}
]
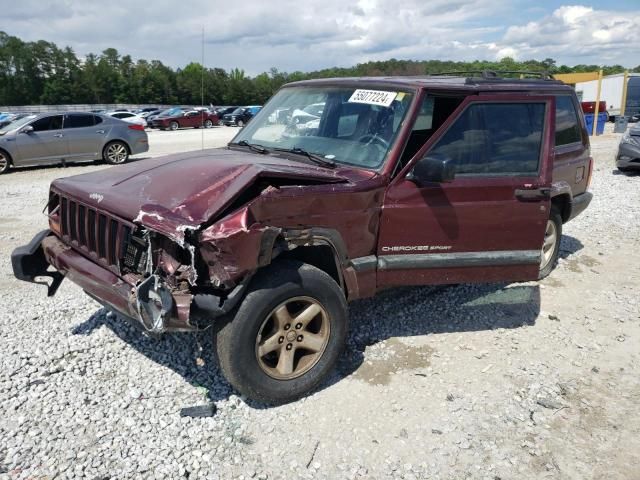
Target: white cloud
[
  {"x": 294, "y": 35},
  {"x": 580, "y": 33}
]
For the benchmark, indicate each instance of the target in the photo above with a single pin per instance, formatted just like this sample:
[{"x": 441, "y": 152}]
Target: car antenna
[{"x": 202, "y": 93}]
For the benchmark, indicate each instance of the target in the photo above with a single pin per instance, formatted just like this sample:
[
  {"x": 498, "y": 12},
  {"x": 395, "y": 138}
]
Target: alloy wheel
[
  {"x": 293, "y": 338},
  {"x": 4, "y": 163},
  {"x": 549, "y": 244},
  {"x": 117, "y": 153}
]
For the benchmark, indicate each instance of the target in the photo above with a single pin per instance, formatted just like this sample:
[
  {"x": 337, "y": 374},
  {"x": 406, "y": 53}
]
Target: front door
[
  {"x": 488, "y": 223},
  {"x": 44, "y": 144},
  {"x": 191, "y": 119}
]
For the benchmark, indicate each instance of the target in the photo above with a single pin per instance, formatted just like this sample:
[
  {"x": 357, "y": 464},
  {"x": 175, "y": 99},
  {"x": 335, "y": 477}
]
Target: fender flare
[{"x": 315, "y": 236}]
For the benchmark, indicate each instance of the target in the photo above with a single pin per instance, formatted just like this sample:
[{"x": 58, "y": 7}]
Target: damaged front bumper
[{"x": 147, "y": 300}]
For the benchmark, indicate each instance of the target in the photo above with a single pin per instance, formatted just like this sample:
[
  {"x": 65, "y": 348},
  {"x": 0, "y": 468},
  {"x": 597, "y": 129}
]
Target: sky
[{"x": 256, "y": 35}]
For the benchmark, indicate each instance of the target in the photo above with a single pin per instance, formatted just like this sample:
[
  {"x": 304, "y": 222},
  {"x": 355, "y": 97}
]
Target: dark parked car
[
  {"x": 147, "y": 110},
  {"x": 240, "y": 116},
  {"x": 161, "y": 113},
  {"x": 222, "y": 111},
  {"x": 71, "y": 137},
  {"x": 628, "y": 158},
  {"x": 185, "y": 119},
  {"x": 405, "y": 181}
]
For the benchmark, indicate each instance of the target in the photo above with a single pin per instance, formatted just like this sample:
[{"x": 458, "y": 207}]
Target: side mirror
[
  {"x": 27, "y": 129},
  {"x": 434, "y": 168}
]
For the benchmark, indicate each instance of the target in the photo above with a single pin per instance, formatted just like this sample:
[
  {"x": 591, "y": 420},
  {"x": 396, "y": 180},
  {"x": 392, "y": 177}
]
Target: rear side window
[
  {"x": 97, "y": 119},
  {"x": 43, "y": 124},
  {"x": 567, "y": 126},
  {"x": 78, "y": 121},
  {"x": 495, "y": 139}
]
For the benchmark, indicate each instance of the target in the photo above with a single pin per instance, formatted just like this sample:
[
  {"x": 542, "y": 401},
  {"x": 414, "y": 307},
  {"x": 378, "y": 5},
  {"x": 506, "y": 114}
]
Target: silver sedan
[{"x": 69, "y": 137}]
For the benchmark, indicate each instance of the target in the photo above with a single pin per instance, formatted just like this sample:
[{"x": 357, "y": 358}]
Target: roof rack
[{"x": 497, "y": 74}]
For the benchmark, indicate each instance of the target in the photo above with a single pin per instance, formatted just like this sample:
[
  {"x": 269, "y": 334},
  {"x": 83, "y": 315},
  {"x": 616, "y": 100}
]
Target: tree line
[{"x": 40, "y": 72}]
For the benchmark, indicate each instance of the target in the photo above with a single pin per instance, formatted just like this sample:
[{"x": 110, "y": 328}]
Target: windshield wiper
[
  {"x": 252, "y": 146},
  {"x": 311, "y": 156}
]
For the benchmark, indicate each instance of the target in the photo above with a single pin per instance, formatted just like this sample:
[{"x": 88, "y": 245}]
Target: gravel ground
[{"x": 530, "y": 380}]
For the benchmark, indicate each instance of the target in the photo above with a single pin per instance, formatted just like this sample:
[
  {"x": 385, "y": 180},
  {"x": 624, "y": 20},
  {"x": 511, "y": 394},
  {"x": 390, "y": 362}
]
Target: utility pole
[{"x": 597, "y": 109}]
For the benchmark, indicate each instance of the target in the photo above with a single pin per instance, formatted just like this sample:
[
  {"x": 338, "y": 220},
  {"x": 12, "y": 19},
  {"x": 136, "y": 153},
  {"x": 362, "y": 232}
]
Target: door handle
[
  {"x": 58, "y": 135},
  {"x": 533, "y": 194},
  {"x": 99, "y": 131}
]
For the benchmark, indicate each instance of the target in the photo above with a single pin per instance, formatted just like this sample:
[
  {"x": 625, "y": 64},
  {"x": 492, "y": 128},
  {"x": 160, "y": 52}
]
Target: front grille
[{"x": 102, "y": 236}]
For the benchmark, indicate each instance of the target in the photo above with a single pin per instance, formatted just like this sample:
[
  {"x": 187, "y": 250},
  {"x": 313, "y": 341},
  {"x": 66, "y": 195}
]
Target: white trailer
[{"x": 613, "y": 93}]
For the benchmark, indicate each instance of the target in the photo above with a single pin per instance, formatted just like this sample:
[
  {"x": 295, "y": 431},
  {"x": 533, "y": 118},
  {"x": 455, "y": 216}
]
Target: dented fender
[{"x": 232, "y": 249}]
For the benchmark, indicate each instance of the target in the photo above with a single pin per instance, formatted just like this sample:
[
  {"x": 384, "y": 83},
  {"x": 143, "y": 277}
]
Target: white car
[{"x": 128, "y": 117}]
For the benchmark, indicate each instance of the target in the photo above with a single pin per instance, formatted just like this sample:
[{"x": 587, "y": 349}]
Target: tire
[
  {"x": 208, "y": 123},
  {"x": 220, "y": 123},
  {"x": 278, "y": 294},
  {"x": 5, "y": 162},
  {"x": 174, "y": 126},
  {"x": 240, "y": 123},
  {"x": 115, "y": 153},
  {"x": 551, "y": 244}
]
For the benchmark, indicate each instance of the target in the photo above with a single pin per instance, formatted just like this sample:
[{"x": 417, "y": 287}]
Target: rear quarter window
[{"x": 567, "y": 126}]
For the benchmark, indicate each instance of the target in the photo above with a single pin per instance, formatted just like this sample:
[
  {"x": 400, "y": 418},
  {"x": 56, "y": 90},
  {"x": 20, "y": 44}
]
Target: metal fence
[{"x": 82, "y": 107}]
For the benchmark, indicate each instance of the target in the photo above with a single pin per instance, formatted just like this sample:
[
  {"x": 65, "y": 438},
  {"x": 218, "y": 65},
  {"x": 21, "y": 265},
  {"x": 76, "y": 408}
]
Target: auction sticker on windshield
[{"x": 373, "y": 97}]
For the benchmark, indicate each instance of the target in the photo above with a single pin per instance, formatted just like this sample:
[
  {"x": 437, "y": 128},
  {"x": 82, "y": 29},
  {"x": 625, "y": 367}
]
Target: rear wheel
[
  {"x": 5, "y": 162},
  {"x": 240, "y": 123},
  {"x": 208, "y": 124},
  {"x": 174, "y": 125},
  {"x": 115, "y": 153},
  {"x": 287, "y": 334},
  {"x": 551, "y": 244}
]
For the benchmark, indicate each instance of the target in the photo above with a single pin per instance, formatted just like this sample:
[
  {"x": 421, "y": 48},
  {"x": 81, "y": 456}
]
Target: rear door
[
  {"x": 83, "y": 137},
  {"x": 45, "y": 144},
  {"x": 488, "y": 224}
]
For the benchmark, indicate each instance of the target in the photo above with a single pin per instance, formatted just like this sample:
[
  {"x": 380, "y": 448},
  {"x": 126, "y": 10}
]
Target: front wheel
[
  {"x": 5, "y": 162},
  {"x": 551, "y": 244},
  {"x": 287, "y": 334},
  {"x": 208, "y": 124},
  {"x": 240, "y": 123},
  {"x": 115, "y": 153},
  {"x": 174, "y": 125}
]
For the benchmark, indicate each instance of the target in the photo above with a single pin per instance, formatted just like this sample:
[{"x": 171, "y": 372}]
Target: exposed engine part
[{"x": 136, "y": 252}]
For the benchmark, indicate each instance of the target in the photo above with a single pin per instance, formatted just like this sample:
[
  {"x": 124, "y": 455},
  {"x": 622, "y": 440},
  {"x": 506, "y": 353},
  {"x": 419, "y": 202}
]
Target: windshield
[
  {"x": 17, "y": 123},
  {"x": 342, "y": 124}
]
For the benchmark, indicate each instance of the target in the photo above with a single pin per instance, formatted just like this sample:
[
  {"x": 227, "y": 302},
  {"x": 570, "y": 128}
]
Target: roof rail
[{"x": 490, "y": 74}]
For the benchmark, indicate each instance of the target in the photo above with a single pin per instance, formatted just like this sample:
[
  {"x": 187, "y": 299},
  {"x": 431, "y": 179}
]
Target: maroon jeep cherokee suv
[{"x": 399, "y": 181}]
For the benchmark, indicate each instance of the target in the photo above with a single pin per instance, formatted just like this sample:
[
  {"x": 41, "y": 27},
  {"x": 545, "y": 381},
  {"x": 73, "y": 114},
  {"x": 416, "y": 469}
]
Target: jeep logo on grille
[{"x": 97, "y": 197}]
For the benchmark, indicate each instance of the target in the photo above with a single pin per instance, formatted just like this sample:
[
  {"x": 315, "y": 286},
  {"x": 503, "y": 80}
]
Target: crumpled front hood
[{"x": 180, "y": 192}]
